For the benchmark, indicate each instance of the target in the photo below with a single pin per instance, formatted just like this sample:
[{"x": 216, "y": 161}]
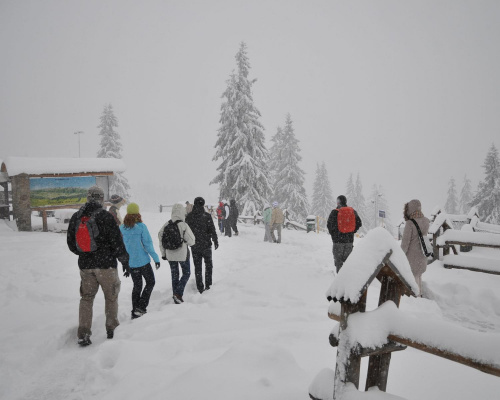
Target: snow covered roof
[
  {"x": 439, "y": 221},
  {"x": 378, "y": 248},
  {"x": 39, "y": 166}
]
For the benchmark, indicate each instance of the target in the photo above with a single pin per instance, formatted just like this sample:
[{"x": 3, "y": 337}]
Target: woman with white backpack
[
  {"x": 175, "y": 237},
  {"x": 411, "y": 242}
]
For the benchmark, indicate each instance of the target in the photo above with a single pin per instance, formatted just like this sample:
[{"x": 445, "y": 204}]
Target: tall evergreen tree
[
  {"x": 111, "y": 147},
  {"x": 487, "y": 197},
  {"x": 451, "y": 205},
  {"x": 243, "y": 173},
  {"x": 465, "y": 196},
  {"x": 323, "y": 202},
  {"x": 350, "y": 192},
  {"x": 289, "y": 186},
  {"x": 275, "y": 155}
]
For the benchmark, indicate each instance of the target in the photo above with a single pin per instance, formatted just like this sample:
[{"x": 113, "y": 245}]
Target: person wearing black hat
[
  {"x": 342, "y": 224},
  {"x": 96, "y": 239},
  {"x": 114, "y": 210},
  {"x": 202, "y": 225}
]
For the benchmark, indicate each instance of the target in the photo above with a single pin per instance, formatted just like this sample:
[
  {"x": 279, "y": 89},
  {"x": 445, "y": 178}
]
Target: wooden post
[
  {"x": 350, "y": 370},
  {"x": 378, "y": 366},
  {"x": 44, "y": 221},
  {"x": 435, "y": 247}
]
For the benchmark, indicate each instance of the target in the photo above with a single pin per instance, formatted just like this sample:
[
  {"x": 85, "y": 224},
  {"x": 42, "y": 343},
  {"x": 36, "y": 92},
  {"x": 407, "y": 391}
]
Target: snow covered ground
[{"x": 260, "y": 332}]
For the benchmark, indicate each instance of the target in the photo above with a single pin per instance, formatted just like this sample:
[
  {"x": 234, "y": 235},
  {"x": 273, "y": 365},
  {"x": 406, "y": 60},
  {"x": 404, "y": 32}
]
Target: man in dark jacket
[
  {"x": 97, "y": 252},
  {"x": 233, "y": 217},
  {"x": 342, "y": 241},
  {"x": 202, "y": 225}
]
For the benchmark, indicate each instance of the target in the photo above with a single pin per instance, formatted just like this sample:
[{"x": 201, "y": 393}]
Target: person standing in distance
[
  {"x": 342, "y": 224},
  {"x": 202, "y": 225},
  {"x": 277, "y": 221},
  {"x": 114, "y": 210},
  {"x": 95, "y": 238}
]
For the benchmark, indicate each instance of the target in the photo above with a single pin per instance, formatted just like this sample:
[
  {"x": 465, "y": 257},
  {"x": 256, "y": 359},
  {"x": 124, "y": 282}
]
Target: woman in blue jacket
[{"x": 139, "y": 247}]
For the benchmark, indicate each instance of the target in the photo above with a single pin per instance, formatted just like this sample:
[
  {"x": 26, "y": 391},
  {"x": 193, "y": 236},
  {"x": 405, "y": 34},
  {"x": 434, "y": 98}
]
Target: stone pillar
[{"x": 21, "y": 206}]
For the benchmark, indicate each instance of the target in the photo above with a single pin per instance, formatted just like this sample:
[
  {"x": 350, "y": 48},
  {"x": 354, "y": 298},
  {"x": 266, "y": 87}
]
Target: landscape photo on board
[{"x": 59, "y": 191}]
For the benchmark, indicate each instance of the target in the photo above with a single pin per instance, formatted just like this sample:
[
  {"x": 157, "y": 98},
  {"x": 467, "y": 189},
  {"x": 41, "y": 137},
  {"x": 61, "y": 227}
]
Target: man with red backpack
[
  {"x": 95, "y": 238},
  {"x": 342, "y": 224}
]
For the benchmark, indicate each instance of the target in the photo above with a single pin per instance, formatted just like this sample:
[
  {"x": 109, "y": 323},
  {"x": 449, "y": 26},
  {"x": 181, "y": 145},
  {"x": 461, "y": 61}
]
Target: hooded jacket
[
  {"x": 180, "y": 254},
  {"x": 139, "y": 245},
  {"x": 109, "y": 241},
  {"x": 333, "y": 227},
  {"x": 410, "y": 243},
  {"x": 202, "y": 225},
  {"x": 277, "y": 216},
  {"x": 266, "y": 215}
]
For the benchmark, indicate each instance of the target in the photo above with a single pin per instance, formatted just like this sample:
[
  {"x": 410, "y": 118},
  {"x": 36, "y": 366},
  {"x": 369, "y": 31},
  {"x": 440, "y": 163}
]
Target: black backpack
[{"x": 171, "y": 239}]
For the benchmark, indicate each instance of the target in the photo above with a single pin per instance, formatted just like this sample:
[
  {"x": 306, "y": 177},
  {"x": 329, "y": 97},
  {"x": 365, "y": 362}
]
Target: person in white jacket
[{"x": 178, "y": 257}]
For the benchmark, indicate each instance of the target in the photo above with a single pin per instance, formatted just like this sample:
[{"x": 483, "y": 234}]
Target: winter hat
[
  {"x": 133, "y": 208},
  {"x": 199, "y": 201},
  {"x": 342, "y": 200},
  {"x": 275, "y": 204},
  {"x": 95, "y": 193},
  {"x": 115, "y": 199}
]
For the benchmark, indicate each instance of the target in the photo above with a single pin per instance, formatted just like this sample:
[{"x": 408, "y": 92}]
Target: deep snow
[{"x": 260, "y": 332}]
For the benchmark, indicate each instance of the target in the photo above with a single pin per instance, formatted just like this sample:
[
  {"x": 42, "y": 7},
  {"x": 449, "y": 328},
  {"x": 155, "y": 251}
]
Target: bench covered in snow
[{"x": 471, "y": 263}]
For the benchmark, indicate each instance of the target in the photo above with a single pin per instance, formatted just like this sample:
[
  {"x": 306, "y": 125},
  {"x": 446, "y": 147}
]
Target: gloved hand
[
  {"x": 216, "y": 245},
  {"x": 157, "y": 264},
  {"x": 126, "y": 270},
  {"x": 164, "y": 258}
]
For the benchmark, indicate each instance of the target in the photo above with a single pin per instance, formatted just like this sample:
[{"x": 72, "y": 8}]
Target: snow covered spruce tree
[
  {"x": 487, "y": 197},
  {"x": 289, "y": 184},
  {"x": 465, "y": 196},
  {"x": 323, "y": 202},
  {"x": 112, "y": 148},
  {"x": 243, "y": 172},
  {"x": 451, "y": 205},
  {"x": 350, "y": 192},
  {"x": 275, "y": 155}
]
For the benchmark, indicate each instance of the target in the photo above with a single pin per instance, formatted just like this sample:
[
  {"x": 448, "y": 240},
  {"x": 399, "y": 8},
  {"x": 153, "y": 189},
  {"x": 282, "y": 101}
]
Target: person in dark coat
[
  {"x": 98, "y": 266},
  {"x": 116, "y": 202},
  {"x": 202, "y": 225},
  {"x": 342, "y": 242},
  {"x": 233, "y": 216}
]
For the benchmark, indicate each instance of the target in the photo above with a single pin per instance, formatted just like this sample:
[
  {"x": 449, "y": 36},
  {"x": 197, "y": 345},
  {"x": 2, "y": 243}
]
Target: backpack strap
[{"x": 419, "y": 233}]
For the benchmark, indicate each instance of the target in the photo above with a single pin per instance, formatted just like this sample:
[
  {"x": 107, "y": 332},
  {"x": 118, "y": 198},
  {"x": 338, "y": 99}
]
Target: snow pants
[
  {"x": 140, "y": 298},
  {"x": 198, "y": 257},
  {"x": 110, "y": 283},
  {"x": 267, "y": 234},
  {"x": 276, "y": 227},
  {"x": 340, "y": 253},
  {"x": 221, "y": 225},
  {"x": 178, "y": 285}
]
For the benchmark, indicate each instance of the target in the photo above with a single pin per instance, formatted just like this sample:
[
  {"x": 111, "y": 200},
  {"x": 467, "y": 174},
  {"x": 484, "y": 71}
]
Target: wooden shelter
[{"x": 21, "y": 173}]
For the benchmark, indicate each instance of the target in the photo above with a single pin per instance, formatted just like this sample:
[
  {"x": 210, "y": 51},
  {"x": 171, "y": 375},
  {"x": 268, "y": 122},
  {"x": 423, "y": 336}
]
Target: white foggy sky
[{"x": 405, "y": 93}]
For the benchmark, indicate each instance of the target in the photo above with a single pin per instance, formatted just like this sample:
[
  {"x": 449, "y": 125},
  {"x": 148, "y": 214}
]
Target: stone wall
[{"x": 21, "y": 206}]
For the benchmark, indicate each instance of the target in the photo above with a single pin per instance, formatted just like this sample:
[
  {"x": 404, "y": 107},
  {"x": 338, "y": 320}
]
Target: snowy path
[{"x": 260, "y": 332}]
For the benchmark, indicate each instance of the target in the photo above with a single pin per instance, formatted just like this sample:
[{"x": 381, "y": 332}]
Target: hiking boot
[
  {"x": 177, "y": 299},
  {"x": 138, "y": 312},
  {"x": 85, "y": 341},
  {"x": 110, "y": 333},
  {"x": 207, "y": 287}
]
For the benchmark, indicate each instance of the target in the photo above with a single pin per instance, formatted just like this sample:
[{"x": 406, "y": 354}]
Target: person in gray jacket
[
  {"x": 410, "y": 242},
  {"x": 178, "y": 257}
]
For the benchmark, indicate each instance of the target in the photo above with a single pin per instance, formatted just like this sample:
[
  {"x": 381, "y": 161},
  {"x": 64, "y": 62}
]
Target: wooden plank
[
  {"x": 460, "y": 243},
  {"x": 478, "y": 269},
  {"x": 486, "y": 368},
  {"x": 44, "y": 221},
  {"x": 390, "y": 347}
]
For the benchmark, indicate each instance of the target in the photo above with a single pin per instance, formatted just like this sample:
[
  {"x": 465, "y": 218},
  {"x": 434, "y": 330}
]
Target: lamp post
[{"x": 78, "y": 133}]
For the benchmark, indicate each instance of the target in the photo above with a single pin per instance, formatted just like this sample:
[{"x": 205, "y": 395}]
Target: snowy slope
[{"x": 260, "y": 332}]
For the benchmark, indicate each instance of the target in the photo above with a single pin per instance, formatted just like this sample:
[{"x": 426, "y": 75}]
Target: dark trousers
[
  {"x": 198, "y": 257},
  {"x": 227, "y": 227},
  {"x": 340, "y": 253},
  {"x": 141, "y": 300},
  {"x": 233, "y": 225},
  {"x": 178, "y": 285},
  {"x": 221, "y": 225}
]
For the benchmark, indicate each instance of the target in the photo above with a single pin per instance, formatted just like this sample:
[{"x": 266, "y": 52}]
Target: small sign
[{"x": 381, "y": 213}]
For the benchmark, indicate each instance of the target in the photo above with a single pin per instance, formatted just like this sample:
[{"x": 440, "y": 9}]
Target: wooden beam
[
  {"x": 44, "y": 221},
  {"x": 485, "y": 271},
  {"x": 387, "y": 348},
  {"x": 486, "y": 368},
  {"x": 460, "y": 243}
]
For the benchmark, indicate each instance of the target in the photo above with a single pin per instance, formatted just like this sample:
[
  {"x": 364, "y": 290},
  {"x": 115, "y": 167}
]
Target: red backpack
[
  {"x": 86, "y": 232},
  {"x": 346, "y": 220}
]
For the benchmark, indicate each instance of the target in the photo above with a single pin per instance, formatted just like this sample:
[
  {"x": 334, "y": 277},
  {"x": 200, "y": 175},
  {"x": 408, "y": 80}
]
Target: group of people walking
[{"x": 100, "y": 238}]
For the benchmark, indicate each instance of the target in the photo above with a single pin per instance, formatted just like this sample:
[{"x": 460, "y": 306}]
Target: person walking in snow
[
  {"x": 227, "y": 222},
  {"x": 233, "y": 217},
  {"x": 277, "y": 221},
  {"x": 140, "y": 248},
  {"x": 410, "y": 242},
  {"x": 95, "y": 238},
  {"x": 204, "y": 231},
  {"x": 342, "y": 224},
  {"x": 114, "y": 210},
  {"x": 266, "y": 218},
  {"x": 189, "y": 207},
  {"x": 221, "y": 213},
  {"x": 178, "y": 257}
]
